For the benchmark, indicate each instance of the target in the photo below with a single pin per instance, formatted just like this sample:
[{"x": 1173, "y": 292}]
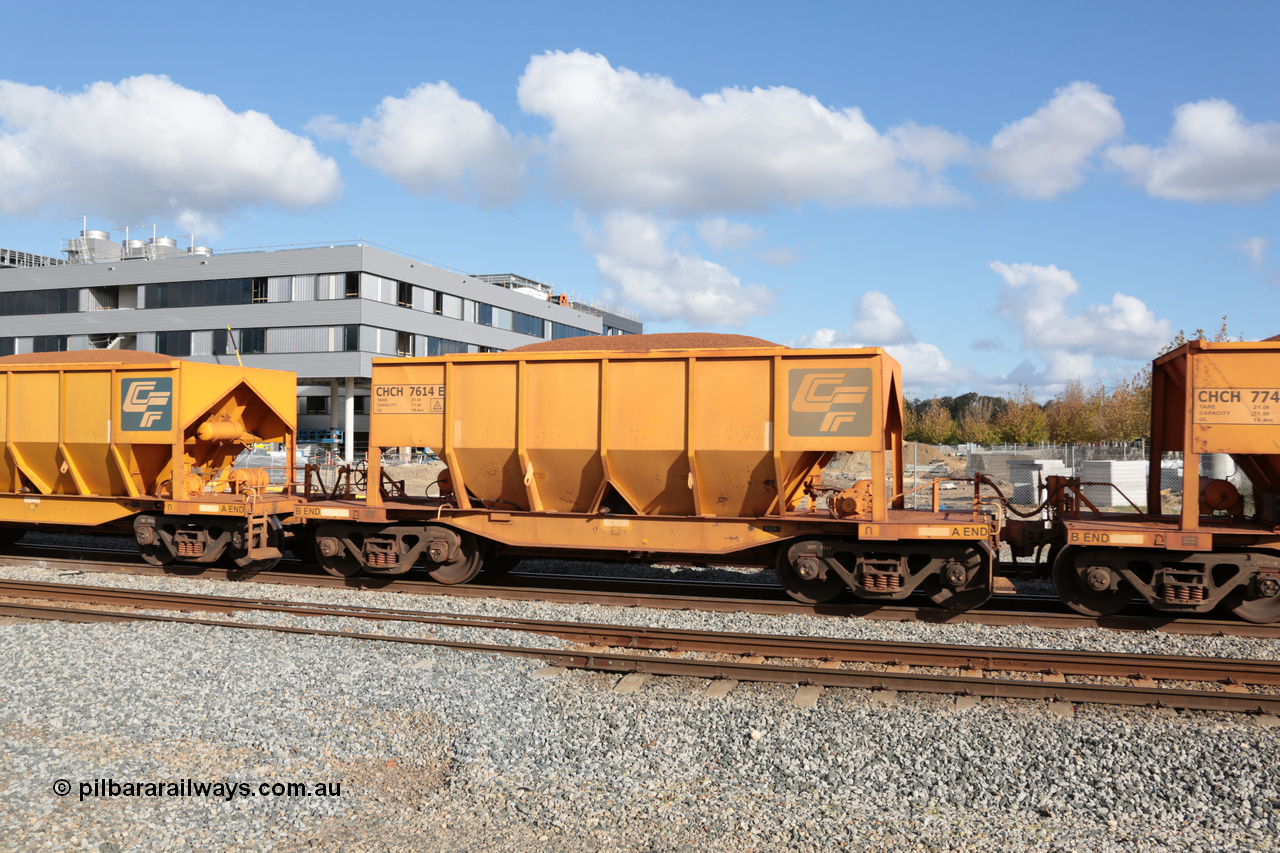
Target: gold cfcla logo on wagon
[{"x": 835, "y": 402}]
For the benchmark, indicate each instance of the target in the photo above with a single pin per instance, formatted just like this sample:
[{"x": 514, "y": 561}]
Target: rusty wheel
[
  {"x": 807, "y": 590},
  {"x": 156, "y": 555},
  {"x": 151, "y": 545},
  {"x": 1092, "y": 591},
  {"x": 332, "y": 556},
  {"x": 1262, "y": 609},
  {"x": 463, "y": 564}
]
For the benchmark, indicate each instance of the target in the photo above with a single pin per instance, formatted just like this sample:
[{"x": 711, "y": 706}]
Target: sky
[{"x": 999, "y": 194}]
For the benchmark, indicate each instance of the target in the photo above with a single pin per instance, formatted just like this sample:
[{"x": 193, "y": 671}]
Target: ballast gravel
[{"x": 441, "y": 750}]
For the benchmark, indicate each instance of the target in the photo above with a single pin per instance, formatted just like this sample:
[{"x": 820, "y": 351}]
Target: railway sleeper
[{"x": 953, "y": 574}]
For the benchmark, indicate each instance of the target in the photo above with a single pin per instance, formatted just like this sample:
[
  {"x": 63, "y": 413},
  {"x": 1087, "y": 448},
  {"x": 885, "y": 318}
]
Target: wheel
[
  {"x": 245, "y": 565},
  {"x": 332, "y": 556},
  {"x": 1075, "y": 591},
  {"x": 500, "y": 564},
  {"x": 1263, "y": 610},
  {"x": 465, "y": 565},
  {"x": 805, "y": 590},
  {"x": 156, "y": 554}
]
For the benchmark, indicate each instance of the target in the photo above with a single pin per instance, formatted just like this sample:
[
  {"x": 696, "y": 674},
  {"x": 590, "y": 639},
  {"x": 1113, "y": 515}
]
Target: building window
[
  {"x": 350, "y": 336},
  {"x": 527, "y": 324},
  {"x": 17, "y": 302},
  {"x": 404, "y": 343},
  {"x": 6, "y": 346},
  {"x": 404, "y": 295},
  {"x": 317, "y": 405},
  {"x": 253, "y": 341},
  {"x": 352, "y": 285},
  {"x": 174, "y": 343},
  {"x": 444, "y": 346},
  {"x": 484, "y": 314},
  {"x": 194, "y": 294},
  {"x": 49, "y": 343},
  {"x": 260, "y": 291},
  {"x": 362, "y": 405},
  {"x": 561, "y": 330}
]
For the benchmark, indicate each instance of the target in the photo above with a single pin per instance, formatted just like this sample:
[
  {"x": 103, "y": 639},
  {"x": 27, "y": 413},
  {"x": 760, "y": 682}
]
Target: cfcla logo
[
  {"x": 146, "y": 404},
  {"x": 830, "y": 402}
]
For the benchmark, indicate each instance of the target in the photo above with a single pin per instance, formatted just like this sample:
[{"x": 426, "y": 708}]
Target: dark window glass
[
  {"x": 220, "y": 341},
  {"x": 350, "y": 338},
  {"x": 444, "y": 346},
  {"x": 6, "y": 346},
  {"x": 526, "y": 324},
  {"x": 253, "y": 341},
  {"x": 404, "y": 295},
  {"x": 353, "y": 285},
  {"x": 362, "y": 405},
  {"x": 484, "y": 314},
  {"x": 317, "y": 405},
  {"x": 49, "y": 343},
  {"x": 560, "y": 330},
  {"x": 174, "y": 343},
  {"x": 21, "y": 302}
]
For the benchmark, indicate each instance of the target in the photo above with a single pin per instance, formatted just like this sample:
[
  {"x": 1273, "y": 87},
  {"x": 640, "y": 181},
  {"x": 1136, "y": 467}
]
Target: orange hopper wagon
[{"x": 123, "y": 440}]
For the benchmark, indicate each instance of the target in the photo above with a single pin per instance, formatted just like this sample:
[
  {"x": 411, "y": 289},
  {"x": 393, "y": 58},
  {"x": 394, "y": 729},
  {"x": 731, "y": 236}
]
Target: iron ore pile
[{"x": 442, "y": 750}]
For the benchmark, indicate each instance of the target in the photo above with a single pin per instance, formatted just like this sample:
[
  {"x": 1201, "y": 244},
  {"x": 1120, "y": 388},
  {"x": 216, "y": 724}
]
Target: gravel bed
[
  {"x": 444, "y": 750},
  {"x": 441, "y": 750}
]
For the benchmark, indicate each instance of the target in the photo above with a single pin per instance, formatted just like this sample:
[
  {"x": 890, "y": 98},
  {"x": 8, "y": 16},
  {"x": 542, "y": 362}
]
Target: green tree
[
  {"x": 929, "y": 423},
  {"x": 1023, "y": 420},
  {"x": 1075, "y": 415},
  {"x": 977, "y": 422}
]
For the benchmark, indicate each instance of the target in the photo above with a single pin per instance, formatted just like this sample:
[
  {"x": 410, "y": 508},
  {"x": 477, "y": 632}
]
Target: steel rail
[
  {"x": 742, "y": 671},
  {"x": 554, "y": 590},
  {"x": 1230, "y": 671}
]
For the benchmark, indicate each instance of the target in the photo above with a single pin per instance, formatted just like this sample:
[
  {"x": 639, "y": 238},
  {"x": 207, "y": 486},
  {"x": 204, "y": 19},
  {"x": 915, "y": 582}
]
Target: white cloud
[
  {"x": 1255, "y": 249},
  {"x": 876, "y": 322},
  {"x": 721, "y": 234},
  {"x": 1212, "y": 155},
  {"x": 619, "y": 138},
  {"x": 1045, "y": 154},
  {"x": 1035, "y": 299},
  {"x": 435, "y": 142},
  {"x": 638, "y": 265},
  {"x": 148, "y": 147}
]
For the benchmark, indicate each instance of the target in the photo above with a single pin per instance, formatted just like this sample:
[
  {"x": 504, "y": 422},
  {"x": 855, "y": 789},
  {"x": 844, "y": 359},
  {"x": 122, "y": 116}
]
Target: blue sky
[{"x": 997, "y": 193}]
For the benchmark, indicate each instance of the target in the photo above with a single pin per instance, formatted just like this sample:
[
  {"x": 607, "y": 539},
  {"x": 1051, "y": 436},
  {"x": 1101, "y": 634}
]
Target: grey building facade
[{"x": 323, "y": 312}]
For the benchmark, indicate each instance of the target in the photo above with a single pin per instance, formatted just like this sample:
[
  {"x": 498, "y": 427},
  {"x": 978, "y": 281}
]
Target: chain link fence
[{"x": 1115, "y": 477}]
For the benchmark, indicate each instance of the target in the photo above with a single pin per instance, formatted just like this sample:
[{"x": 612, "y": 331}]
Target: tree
[
  {"x": 929, "y": 423},
  {"x": 977, "y": 423},
  {"x": 1075, "y": 415},
  {"x": 1023, "y": 421}
]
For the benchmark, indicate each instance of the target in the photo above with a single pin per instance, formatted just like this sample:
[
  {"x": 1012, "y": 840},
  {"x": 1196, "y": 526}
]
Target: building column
[
  {"x": 333, "y": 404},
  {"x": 349, "y": 431}
]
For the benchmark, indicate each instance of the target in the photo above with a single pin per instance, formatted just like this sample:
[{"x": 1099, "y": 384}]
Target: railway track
[
  {"x": 981, "y": 671},
  {"x": 1037, "y": 611}
]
